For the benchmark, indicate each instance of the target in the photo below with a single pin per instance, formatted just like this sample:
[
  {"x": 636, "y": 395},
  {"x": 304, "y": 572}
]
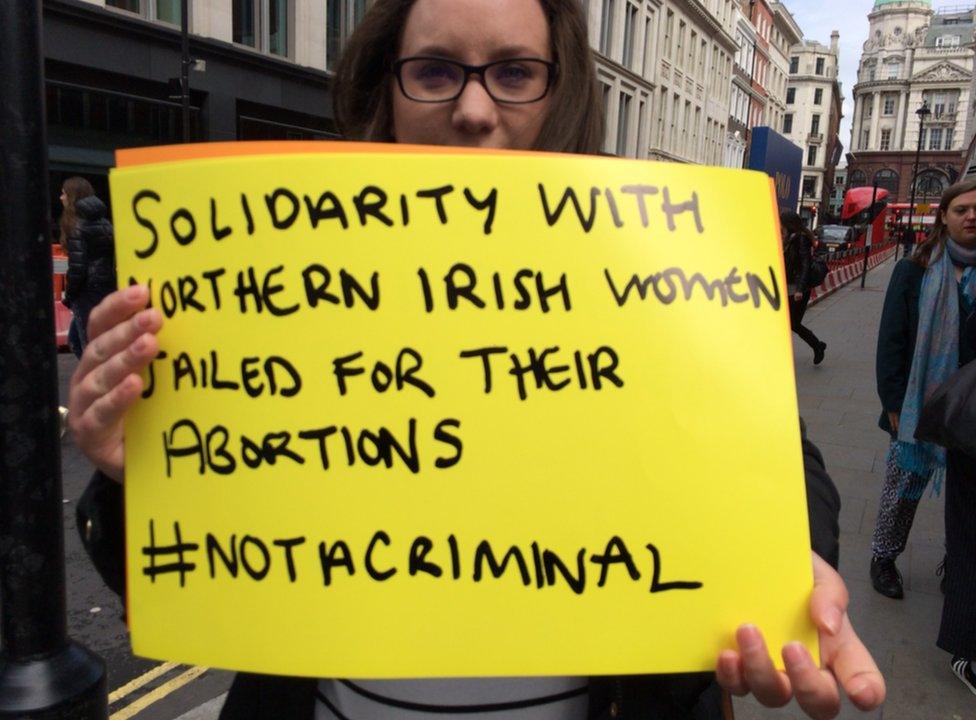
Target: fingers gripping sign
[
  {"x": 846, "y": 662},
  {"x": 107, "y": 380}
]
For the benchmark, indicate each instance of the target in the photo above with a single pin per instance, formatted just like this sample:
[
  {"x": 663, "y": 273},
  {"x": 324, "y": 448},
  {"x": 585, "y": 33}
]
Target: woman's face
[
  {"x": 474, "y": 32},
  {"x": 64, "y": 198}
]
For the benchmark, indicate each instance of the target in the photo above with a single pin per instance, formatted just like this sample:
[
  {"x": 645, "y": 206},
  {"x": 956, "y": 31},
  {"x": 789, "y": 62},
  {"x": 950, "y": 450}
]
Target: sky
[{"x": 817, "y": 18}]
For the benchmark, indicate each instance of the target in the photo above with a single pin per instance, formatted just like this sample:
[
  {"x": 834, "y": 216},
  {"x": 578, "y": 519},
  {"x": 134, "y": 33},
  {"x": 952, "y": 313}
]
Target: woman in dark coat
[
  {"x": 904, "y": 376},
  {"x": 798, "y": 254},
  {"x": 91, "y": 261}
]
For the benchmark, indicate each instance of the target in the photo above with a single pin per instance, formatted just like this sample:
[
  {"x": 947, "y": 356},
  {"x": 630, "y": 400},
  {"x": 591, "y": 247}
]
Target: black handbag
[{"x": 949, "y": 416}]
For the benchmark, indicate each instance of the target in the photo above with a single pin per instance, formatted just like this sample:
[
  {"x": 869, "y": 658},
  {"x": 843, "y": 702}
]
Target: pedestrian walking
[
  {"x": 798, "y": 244},
  {"x": 72, "y": 190},
  {"x": 515, "y": 74},
  {"x": 919, "y": 346},
  {"x": 91, "y": 256}
]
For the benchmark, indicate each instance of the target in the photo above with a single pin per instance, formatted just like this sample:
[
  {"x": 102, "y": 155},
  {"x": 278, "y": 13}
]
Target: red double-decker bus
[{"x": 859, "y": 212}]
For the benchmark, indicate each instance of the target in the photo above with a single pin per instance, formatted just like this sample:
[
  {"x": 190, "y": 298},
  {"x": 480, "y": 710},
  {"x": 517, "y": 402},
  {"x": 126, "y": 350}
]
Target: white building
[
  {"x": 911, "y": 56},
  {"x": 812, "y": 120}
]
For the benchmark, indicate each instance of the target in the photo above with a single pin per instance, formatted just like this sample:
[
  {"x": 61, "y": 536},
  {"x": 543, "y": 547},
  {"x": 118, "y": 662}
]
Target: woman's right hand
[
  {"x": 893, "y": 419},
  {"x": 122, "y": 342}
]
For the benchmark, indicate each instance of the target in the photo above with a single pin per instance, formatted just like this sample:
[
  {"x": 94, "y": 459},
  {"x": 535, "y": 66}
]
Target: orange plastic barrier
[{"x": 62, "y": 315}]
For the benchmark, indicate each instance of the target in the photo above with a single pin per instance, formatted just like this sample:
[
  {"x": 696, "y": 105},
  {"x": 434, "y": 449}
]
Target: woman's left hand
[{"x": 845, "y": 659}]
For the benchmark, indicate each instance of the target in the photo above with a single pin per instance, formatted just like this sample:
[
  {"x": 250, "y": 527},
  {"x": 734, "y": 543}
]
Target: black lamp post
[{"x": 923, "y": 112}]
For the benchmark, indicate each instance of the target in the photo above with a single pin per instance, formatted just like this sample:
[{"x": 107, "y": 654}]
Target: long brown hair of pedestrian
[
  {"x": 363, "y": 84},
  {"x": 793, "y": 224},
  {"x": 938, "y": 234},
  {"x": 74, "y": 189}
]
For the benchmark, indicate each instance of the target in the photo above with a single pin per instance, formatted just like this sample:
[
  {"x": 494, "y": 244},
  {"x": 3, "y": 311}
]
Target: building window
[
  {"x": 865, "y": 139},
  {"x": 168, "y": 11},
  {"x": 790, "y": 96},
  {"x": 894, "y": 71},
  {"x": 941, "y": 102},
  {"x": 868, "y": 106},
  {"x": 935, "y": 139},
  {"x": 680, "y": 58},
  {"x": 818, "y": 96},
  {"x": 692, "y": 46},
  {"x": 949, "y": 138},
  {"x": 888, "y": 105},
  {"x": 815, "y": 124},
  {"x": 261, "y": 24},
  {"x": 931, "y": 183},
  {"x": 623, "y": 124},
  {"x": 885, "y": 139},
  {"x": 923, "y": 134},
  {"x": 812, "y": 155},
  {"x": 606, "y": 27},
  {"x": 887, "y": 179},
  {"x": 130, "y": 5},
  {"x": 947, "y": 41},
  {"x": 787, "y": 123},
  {"x": 630, "y": 35},
  {"x": 819, "y": 68},
  {"x": 810, "y": 186},
  {"x": 858, "y": 178},
  {"x": 341, "y": 18},
  {"x": 872, "y": 73},
  {"x": 794, "y": 65},
  {"x": 668, "y": 34}
]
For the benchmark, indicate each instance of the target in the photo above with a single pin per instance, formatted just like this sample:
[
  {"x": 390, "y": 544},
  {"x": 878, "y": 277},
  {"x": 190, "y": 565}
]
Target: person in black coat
[
  {"x": 798, "y": 256},
  {"x": 91, "y": 262}
]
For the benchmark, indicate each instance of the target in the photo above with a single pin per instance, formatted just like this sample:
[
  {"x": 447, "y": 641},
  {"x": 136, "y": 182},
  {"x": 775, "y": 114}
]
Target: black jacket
[
  {"x": 897, "y": 333},
  {"x": 797, "y": 254},
  {"x": 694, "y": 696},
  {"x": 91, "y": 252}
]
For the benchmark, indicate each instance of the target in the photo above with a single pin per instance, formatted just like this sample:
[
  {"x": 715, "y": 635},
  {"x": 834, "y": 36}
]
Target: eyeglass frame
[{"x": 479, "y": 70}]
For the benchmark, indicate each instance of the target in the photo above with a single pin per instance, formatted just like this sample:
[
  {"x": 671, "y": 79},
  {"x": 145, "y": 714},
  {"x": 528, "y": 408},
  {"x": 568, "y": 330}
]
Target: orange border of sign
[{"x": 195, "y": 151}]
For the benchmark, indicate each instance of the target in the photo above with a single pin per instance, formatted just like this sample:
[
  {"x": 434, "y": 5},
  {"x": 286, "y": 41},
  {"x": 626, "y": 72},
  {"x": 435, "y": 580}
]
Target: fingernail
[
  {"x": 139, "y": 345},
  {"x": 832, "y": 620},
  {"x": 860, "y": 692},
  {"x": 749, "y": 638},
  {"x": 133, "y": 292},
  {"x": 795, "y": 654}
]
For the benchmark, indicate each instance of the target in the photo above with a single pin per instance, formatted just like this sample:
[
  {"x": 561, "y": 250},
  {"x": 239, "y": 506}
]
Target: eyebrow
[{"x": 501, "y": 53}]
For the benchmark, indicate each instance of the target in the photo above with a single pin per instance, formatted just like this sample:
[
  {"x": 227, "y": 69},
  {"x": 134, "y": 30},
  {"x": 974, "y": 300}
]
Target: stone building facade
[
  {"x": 812, "y": 121},
  {"x": 913, "y": 55}
]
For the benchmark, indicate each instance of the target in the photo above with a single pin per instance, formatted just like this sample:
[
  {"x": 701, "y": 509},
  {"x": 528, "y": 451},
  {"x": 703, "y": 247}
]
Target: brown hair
[
  {"x": 75, "y": 188},
  {"x": 363, "y": 106},
  {"x": 937, "y": 236}
]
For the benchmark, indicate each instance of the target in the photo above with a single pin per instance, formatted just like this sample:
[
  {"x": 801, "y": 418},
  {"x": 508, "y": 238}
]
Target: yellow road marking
[
  {"x": 138, "y": 682},
  {"x": 159, "y": 693}
]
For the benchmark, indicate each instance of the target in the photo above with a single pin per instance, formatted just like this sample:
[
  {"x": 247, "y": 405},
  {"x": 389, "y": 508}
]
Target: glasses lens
[
  {"x": 425, "y": 79},
  {"x": 518, "y": 80}
]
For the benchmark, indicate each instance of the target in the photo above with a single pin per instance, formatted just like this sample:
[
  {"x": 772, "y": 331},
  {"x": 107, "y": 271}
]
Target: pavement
[{"x": 838, "y": 401}]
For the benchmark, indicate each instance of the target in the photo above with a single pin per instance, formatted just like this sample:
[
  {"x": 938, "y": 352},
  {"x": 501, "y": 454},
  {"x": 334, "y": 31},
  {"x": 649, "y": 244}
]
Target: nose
[{"x": 475, "y": 113}]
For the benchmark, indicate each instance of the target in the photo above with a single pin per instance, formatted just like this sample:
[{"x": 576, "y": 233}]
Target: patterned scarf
[{"x": 936, "y": 358}]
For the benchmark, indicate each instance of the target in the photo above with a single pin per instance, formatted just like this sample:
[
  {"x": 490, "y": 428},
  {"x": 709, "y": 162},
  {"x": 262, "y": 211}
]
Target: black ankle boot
[{"x": 886, "y": 579}]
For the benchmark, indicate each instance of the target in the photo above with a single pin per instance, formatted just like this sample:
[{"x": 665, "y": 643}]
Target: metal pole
[
  {"x": 42, "y": 673},
  {"x": 911, "y": 206},
  {"x": 869, "y": 234},
  {"x": 185, "y": 66}
]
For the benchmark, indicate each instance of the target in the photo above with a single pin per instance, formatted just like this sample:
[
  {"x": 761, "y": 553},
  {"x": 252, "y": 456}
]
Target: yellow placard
[{"x": 445, "y": 415}]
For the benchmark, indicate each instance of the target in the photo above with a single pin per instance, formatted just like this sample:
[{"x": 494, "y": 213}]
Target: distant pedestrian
[
  {"x": 798, "y": 244},
  {"x": 919, "y": 345},
  {"x": 91, "y": 255},
  {"x": 72, "y": 190}
]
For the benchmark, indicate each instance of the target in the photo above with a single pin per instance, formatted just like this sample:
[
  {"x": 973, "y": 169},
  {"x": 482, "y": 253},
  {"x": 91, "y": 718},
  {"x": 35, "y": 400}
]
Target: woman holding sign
[{"x": 514, "y": 74}]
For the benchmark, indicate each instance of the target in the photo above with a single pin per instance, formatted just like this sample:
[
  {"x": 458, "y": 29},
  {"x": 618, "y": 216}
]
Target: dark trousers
[
  {"x": 957, "y": 633},
  {"x": 797, "y": 309}
]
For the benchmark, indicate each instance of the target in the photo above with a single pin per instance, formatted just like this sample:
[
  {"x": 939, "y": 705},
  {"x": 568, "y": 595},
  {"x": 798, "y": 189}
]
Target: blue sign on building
[{"x": 776, "y": 156}]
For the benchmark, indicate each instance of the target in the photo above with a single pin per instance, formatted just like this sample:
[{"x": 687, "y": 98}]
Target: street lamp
[{"x": 923, "y": 112}]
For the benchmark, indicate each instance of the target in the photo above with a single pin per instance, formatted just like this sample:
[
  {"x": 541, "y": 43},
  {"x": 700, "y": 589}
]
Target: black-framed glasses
[{"x": 434, "y": 80}]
